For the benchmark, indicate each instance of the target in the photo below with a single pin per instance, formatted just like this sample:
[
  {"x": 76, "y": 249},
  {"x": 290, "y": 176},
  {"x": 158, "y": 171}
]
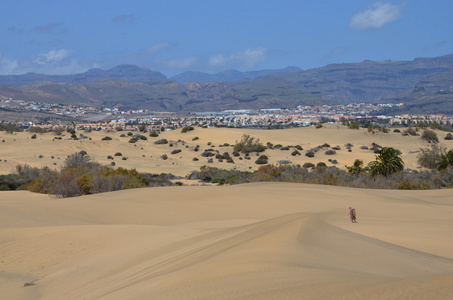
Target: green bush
[
  {"x": 218, "y": 180},
  {"x": 107, "y": 138},
  {"x": 430, "y": 136},
  {"x": 330, "y": 152},
  {"x": 310, "y": 153},
  {"x": 161, "y": 141},
  {"x": 356, "y": 168},
  {"x": 13, "y": 182},
  {"x": 410, "y": 131},
  {"x": 308, "y": 165},
  {"x": 248, "y": 144},
  {"x": 263, "y": 159},
  {"x": 10, "y": 127},
  {"x": 187, "y": 129},
  {"x": 353, "y": 125},
  {"x": 206, "y": 174},
  {"x": 37, "y": 129},
  {"x": 408, "y": 185},
  {"x": 430, "y": 157}
]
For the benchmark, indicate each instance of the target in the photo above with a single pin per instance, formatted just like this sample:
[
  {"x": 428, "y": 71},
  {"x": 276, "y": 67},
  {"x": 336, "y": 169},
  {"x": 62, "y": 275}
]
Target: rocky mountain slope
[{"x": 425, "y": 85}]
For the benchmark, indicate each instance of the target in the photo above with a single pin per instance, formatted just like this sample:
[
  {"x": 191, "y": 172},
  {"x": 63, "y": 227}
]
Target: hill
[
  {"x": 229, "y": 75},
  {"x": 425, "y": 85},
  {"x": 121, "y": 72}
]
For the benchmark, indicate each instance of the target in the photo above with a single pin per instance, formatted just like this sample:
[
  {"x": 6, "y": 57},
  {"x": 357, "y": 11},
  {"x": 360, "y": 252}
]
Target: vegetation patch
[
  {"x": 263, "y": 159},
  {"x": 330, "y": 152},
  {"x": 161, "y": 142},
  {"x": 80, "y": 176},
  {"x": 310, "y": 153},
  {"x": 187, "y": 129},
  {"x": 430, "y": 136},
  {"x": 249, "y": 144}
]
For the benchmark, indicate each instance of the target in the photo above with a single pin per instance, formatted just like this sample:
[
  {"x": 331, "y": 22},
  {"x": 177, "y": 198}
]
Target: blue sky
[{"x": 173, "y": 36}]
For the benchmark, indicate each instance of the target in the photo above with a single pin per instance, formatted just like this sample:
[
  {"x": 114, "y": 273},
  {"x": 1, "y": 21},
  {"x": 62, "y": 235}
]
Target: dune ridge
[{"x": 250, "y": 241}]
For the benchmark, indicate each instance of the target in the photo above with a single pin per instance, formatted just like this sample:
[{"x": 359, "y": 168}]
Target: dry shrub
[
  {"x": 81, "y": 176},
  {"x": 429, "y": 157},
  {"x": 249, "y": 144},
  {"x": 430, "y": 136}
]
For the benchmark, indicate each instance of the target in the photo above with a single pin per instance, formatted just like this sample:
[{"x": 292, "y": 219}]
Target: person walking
[{"x": 352, "y": 215}]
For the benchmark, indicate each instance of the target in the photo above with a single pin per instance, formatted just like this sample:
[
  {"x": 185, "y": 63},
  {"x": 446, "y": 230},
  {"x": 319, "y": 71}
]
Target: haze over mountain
[
  {"x": 229, "y": 75},
  {"x": 121, "y": 72},
  {"x": 425, "y": 85}
]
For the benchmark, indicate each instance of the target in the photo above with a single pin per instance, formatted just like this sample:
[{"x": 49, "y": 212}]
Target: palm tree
[
  {"x": 388, "y": 161},
  {"x": 78, "y": 159},
  {"x": 357, "y": 168},
  {"x": 445, "y": 160}
]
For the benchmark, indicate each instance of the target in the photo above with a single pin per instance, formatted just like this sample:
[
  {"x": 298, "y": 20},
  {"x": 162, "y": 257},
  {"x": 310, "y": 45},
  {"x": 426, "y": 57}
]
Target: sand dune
[
  {"x": 251, "y": 241},
  {"x": 145, "y": 156}
]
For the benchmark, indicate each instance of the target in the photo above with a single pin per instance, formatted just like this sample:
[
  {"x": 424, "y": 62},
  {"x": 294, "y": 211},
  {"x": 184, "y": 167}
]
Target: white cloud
[
  {"x": 376, "y": 16},
  {"x": 248, "y": 58},
  {"x": 56, "y": 62},
  {"x": 217, "y": 60},
  {"x": 52, "y": 56},
  {"x": 7, "y": 66}
]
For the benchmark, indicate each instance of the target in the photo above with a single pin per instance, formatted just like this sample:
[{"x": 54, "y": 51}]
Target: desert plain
[{"x": 263, "y": 240}]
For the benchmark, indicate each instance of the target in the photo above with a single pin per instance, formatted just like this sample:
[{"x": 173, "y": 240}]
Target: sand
[
  {"x": 251, "y": 241},
  {"x": 248, "y": 241},
  {"x": 145, "y": 156}
]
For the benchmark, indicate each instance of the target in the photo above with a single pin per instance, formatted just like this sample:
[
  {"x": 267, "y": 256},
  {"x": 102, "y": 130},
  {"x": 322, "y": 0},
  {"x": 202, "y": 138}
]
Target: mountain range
[{"x": 424, "y": 85}]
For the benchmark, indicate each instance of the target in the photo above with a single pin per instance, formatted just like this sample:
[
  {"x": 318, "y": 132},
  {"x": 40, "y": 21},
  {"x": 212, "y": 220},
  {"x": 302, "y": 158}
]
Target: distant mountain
[
  {"x": 121, "y": 72},
  {"x": 425, "y": 85},
  {"x": 229, "y": 75}
]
